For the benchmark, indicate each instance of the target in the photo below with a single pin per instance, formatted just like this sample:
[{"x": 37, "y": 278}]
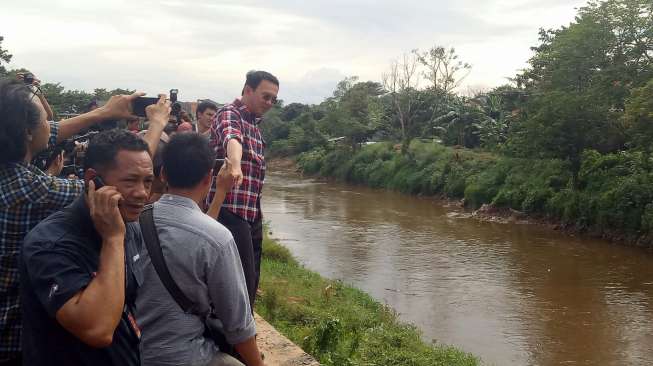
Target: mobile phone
[
  {"x": 99, "y": 183},
  {"x": 140, "y": 103}
]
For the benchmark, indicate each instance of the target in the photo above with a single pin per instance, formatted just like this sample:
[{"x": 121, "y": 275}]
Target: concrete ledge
[{"x": 279, "y": 350}]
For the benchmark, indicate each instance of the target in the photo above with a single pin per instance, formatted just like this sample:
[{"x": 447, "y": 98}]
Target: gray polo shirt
[{"x": 203, "y": 260}]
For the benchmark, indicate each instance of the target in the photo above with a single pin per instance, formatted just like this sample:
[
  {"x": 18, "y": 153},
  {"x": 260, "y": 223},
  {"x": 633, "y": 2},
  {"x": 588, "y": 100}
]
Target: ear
[
  {"x": 208, "y": 178},
  {"x": 29, "y": 135},
  {"x": 162, "y": 176}
]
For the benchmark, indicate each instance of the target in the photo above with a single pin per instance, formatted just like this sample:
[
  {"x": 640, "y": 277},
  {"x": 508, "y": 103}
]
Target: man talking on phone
[
  {"x": 79, "y": 272},
  {"x": 236, "y": 135}
]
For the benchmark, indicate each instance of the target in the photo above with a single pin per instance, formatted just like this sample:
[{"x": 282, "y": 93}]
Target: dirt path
[{"x": 278, "y": 350}]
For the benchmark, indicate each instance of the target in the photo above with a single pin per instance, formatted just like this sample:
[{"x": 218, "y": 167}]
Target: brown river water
[{"x": 512, "y": 294}]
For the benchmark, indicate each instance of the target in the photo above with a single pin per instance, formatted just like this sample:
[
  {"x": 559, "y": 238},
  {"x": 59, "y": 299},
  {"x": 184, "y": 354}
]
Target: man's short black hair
[
  {"x": 104, "y": 147},
  {"x": 187, "y": 159},
  {"x": 17, "y": 114},
  {"x": 204, "y": 106},
  {"x": 254, "y": 78}
]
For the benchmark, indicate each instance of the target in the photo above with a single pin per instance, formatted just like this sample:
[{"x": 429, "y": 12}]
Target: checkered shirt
[
  {"x": 235, "y": 121},
  {"x": 27, "y": 196}
]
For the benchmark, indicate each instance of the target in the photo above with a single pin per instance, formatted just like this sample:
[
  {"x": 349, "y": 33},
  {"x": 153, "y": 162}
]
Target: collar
[
  {"x": 181, "y": 201},
  {"x": 249, "y": 116},
  {"x": 21, "y": 165}
]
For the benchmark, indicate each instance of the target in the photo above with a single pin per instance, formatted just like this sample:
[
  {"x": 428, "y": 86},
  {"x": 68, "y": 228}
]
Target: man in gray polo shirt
[{"x": 203, "y": 260}]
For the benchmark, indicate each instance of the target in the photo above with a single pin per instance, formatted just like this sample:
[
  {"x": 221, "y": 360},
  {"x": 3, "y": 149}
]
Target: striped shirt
[
  {"x": 235, "y": 121},
  {"x": 27, "y": 196}
]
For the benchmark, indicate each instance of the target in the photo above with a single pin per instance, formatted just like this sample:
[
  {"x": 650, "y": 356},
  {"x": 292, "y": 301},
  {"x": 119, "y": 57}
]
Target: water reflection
[{"x": 513, "y": 294}]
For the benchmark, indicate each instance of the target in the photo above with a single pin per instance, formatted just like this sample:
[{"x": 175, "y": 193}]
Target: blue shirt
[{"x": 60, "y": 257}]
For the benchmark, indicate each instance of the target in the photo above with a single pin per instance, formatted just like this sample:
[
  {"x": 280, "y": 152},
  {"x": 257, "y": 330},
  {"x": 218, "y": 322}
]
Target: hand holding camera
[
  {"x": 160, "y": 112},
  {"x": 119, "y": 107},
  {"x": 28, "y": 78}
]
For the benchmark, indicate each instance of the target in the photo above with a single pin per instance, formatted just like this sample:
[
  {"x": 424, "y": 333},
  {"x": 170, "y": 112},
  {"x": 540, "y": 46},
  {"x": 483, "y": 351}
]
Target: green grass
[{"x": 338, "y": 324}]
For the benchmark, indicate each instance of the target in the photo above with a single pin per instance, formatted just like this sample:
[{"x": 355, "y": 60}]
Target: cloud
[{"x": 205, "y": 47}]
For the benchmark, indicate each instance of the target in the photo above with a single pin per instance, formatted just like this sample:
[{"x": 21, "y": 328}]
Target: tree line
[
  {"x": 581, "y": 113},
  {"x": 62, "y": 101}
]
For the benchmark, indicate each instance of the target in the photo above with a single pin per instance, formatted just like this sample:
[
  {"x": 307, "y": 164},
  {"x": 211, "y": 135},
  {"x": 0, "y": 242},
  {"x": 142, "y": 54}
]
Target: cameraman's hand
[
  {"x": 119, "y": 107},
  {"x": 56, "y": 166},
  {"x": 105, "y": 213},
  {"x": 159, "y": 113}
]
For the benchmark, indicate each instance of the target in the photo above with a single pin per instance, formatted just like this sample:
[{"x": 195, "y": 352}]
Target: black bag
[{"x": 211, "y": 323}]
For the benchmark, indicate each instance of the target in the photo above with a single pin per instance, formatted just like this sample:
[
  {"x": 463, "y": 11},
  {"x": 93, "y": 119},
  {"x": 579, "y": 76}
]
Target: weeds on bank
[
  {"x": 610, "y": 196},
  {"x": 337, "y": 324}
]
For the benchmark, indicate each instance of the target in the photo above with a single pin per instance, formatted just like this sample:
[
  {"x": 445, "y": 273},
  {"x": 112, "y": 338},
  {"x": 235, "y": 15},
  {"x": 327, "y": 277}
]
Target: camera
[
  {"x": 141, "y": 103},
  {"x": 44, "y": 159},
  {"x": 176, "y": 106},
  {"x": 28, "y": 78}
]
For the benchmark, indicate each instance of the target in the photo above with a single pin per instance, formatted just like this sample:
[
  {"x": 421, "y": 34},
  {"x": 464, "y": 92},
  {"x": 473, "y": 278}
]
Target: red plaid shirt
[{"x": 235, "y": 121}]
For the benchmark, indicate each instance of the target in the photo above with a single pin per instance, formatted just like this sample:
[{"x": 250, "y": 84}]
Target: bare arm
[
  {"x": 249, "y": 351},
  {"x": 46, "y": 106},
  {"x": 158, "y": 115},
  {"x": 93, "y": 314},
  {"x": 235, "y": 155},
  {"x": 118, "y": 107}
]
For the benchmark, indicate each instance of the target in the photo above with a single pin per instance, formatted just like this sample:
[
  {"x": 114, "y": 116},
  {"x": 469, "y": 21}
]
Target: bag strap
[{"x": 153, "y": 245}]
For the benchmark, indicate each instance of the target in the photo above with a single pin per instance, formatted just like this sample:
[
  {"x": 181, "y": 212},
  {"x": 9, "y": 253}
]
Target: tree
[
  {"x": 444, "y": 70},
  {"x": 292, "y": 111},
  {"x": 606, "y": 52},
  {"x": 401, "y": 83},
  {"x": 639, "y": 119},
  {"x": 103, "y": 94},
  {"x": 5, "y": 57}
]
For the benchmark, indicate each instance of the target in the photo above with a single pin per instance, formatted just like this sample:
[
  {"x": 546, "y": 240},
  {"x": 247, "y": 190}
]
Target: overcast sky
[{"x": 205, "y": 47}]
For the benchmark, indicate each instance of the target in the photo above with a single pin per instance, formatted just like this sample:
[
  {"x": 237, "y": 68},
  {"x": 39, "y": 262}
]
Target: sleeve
[
  {"x": 228, "y": 294},
  {"x": 229, "y": 126},
  {"x": 54, "y": 192},
  {"x": 54, "y": 272},
  {"x": 61, "y": 192},
  {"x": 54, "y": 133}
]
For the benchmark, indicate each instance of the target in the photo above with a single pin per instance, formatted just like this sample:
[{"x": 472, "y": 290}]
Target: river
[{"x": 512, "y": 294}]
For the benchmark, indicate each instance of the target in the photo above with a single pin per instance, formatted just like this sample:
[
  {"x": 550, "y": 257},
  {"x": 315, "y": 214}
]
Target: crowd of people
[{"x": 151, "y": 253}]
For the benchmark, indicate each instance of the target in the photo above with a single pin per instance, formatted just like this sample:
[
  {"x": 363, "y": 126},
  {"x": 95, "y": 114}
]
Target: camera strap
[{"x": 153, "y": 245}]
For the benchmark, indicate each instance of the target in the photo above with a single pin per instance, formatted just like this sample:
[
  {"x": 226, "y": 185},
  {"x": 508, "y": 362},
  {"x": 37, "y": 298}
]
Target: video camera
[
  {"x": 75, "y": 158},
  {"x": 28, "y": 78}
]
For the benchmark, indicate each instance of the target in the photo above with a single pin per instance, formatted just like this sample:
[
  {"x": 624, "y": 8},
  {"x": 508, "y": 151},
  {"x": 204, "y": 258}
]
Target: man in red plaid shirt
[{"x": 235, "y": 135}]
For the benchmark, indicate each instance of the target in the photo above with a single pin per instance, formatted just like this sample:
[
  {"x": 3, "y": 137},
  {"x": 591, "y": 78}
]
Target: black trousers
[{"x": 249, "y": 240}]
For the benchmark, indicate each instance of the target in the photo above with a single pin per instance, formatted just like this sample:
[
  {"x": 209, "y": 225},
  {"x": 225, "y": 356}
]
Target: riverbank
[
  {"x": 338, "y": 324},
  {"x": 612, "y": 197}
]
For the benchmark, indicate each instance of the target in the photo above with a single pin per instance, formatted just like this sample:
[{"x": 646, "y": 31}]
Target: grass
[{"x": 338, "y": 324}]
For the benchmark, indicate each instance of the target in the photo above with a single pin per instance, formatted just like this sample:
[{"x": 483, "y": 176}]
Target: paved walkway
[{"x": 278, "y": 350}]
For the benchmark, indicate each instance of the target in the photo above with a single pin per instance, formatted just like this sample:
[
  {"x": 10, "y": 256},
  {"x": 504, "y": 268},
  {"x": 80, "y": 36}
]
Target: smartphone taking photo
[{"x": 141, "y": 103}]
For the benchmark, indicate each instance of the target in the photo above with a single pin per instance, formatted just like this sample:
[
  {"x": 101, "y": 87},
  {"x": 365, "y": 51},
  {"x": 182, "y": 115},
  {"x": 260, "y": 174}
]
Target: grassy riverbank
[
  {"x": 611, "y": 197},
  {"x": 338, "y": 324}
]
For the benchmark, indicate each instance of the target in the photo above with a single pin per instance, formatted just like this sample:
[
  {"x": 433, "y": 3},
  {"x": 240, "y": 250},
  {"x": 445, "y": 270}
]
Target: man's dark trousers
[{"x": 249, "y": 239}]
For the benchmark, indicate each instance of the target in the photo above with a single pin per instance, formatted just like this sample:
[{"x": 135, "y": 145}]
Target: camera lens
[{"x": 28, "y": 79}]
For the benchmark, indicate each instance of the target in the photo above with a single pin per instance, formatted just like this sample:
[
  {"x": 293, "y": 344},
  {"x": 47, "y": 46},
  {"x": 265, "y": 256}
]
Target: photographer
[{"x": 29, "y": 195}]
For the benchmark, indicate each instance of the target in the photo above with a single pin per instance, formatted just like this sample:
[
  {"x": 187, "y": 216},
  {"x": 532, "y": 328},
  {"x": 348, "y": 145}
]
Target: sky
[{"x": 205, "y": 47}]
